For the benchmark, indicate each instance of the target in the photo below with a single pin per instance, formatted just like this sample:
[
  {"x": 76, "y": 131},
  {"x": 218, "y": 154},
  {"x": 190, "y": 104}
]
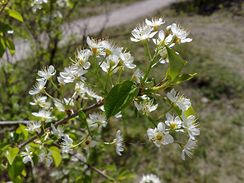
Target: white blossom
[
  {"x": 46, "y": 73},
  {"x": 38, "y": 87},
  {"x": 43, "y": 114},
  {"x": 109, "y": 48},
  {"x": 182, "y": 102},
  {"x": 66, "y": 144},
  {"x": 119, "y": 143},
  {"x": 179, "y": 33},
  {"x": 85, "y": 93},
  {"x": 62, "y": 3},
  {"x": 163, "y": 39},
  {"x": 150, "y": 178},
  {"x": 138, "y": 75},
  {"x": 96, "y": 120},
  {"x": 127, "y": 60},
  {"x": 37, "y": 4},
  {"x": 92, "y": 94},
  {"x": 71, "y": 73},
  {"x": 155, "y": 23},
  {"x": 163, "y": 56},
  {"x": 41, "y": 101},
  {"x": 94, "y": 45},
  {"x": 145, "y": 105},
  {"x": 188, "y": 148},
  {"x": 174, "y": 123},
  {"x": 110, "y": 64},
  {"x": 34, "y": 126},
  {"x": 159, "y": 136},
  {"x": 172, "y": 96},
  {"x": 82, "y": 58},
  {"x": 61, "y": 105},
  {"x": 27, "y": 155},
  {"x": 46, "y": 157},
  {"x": 59, "y": 131},
  {"x": 89, "y": 143},
  {"x": 142, "y": 33},
  {"x": 190, "y": 125}
]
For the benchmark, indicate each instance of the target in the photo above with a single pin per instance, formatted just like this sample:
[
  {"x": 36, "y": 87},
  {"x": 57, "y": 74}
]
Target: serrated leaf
[
  {"x": 11, "y": 154},
  {"x": 14, "y": 14},
  {"x": 56, "y": 155},
  {"x": 176, "y": 64},
  {"x": 119, "y": 97}
]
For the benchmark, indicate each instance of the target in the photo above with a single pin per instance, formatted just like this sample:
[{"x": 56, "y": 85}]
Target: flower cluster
[
  {"x": 165, "y": 132},
  {"x": 72, "y": 107},
  {"x": 38, "y": 4},
  {"x": 101, "y": 56},
  {"x": 172, "y": 35}
]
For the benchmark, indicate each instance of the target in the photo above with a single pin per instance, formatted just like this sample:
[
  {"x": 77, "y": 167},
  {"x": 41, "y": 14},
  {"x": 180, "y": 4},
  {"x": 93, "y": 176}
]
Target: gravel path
[{"x": 95, "y": 24}]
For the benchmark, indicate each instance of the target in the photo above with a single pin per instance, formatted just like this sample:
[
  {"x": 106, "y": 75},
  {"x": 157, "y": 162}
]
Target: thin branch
[
  {"x": 3, "y": 7},
  {"x": 13, "y": 122},
  {"x": 60, "y": 122},
  {"x": 100, "y": 172}
]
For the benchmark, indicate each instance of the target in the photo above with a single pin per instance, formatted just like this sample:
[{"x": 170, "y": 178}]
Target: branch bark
[{"x": 13, "y": 122}]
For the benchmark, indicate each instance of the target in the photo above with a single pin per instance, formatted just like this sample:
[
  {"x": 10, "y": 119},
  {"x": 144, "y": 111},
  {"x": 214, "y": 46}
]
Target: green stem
[{"x": 45, "y": 92}]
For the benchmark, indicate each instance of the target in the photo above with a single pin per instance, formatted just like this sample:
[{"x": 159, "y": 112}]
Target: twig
[
  {"x": 3, "y": 7},
  {"x": 13, "y": 122},
  {"x": 100, "y": 172},
  {"x": 60, "y": 122}
]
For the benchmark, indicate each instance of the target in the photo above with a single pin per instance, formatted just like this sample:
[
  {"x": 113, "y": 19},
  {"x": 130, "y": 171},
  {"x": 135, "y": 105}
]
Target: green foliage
[
  {"x": 11, "y": 154},
  {"x": 56, "y": 155},
  {"x": 14, "y": 14},
  {"x": 120, "y": 96},
  {"x": 16, "y": 170},
  {"x": 5, "y": 40},
  {"x": 176, "y": 64}
]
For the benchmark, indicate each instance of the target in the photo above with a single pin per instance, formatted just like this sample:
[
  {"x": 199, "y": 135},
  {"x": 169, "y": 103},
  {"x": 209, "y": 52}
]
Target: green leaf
[
  {"x": 11, "y": 154},
  {"x": 56, "y": 155},
  {"x": 15, "y": 170},
  {"x": 4, "y": 27},
  {"x": 190, "y": 111},
  {"x": 185, "y": 77},
  {"x": 2, "y": 46},
  {"x": 82, "y": 117},
  {"x": 176, "y": 63},
  {"x": 10, "y": 46},
  {"x": 22, "y": 130},
  {"x": 119, "y": 97},
  {"x": 14, "y": 14}
]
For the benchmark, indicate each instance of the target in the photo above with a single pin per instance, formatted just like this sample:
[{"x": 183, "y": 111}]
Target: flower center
[
  {"x": 94, "y": 50},
  {"x": 108, "y": 52},
  {"x": 159, "y": 136},
  {"x": 87, "y": 142},
  {"x": 173, "y": 125}
]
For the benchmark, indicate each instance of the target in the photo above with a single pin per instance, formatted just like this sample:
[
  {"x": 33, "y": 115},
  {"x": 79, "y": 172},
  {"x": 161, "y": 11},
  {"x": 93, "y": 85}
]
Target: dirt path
[{"x": 95, "y": 24}]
